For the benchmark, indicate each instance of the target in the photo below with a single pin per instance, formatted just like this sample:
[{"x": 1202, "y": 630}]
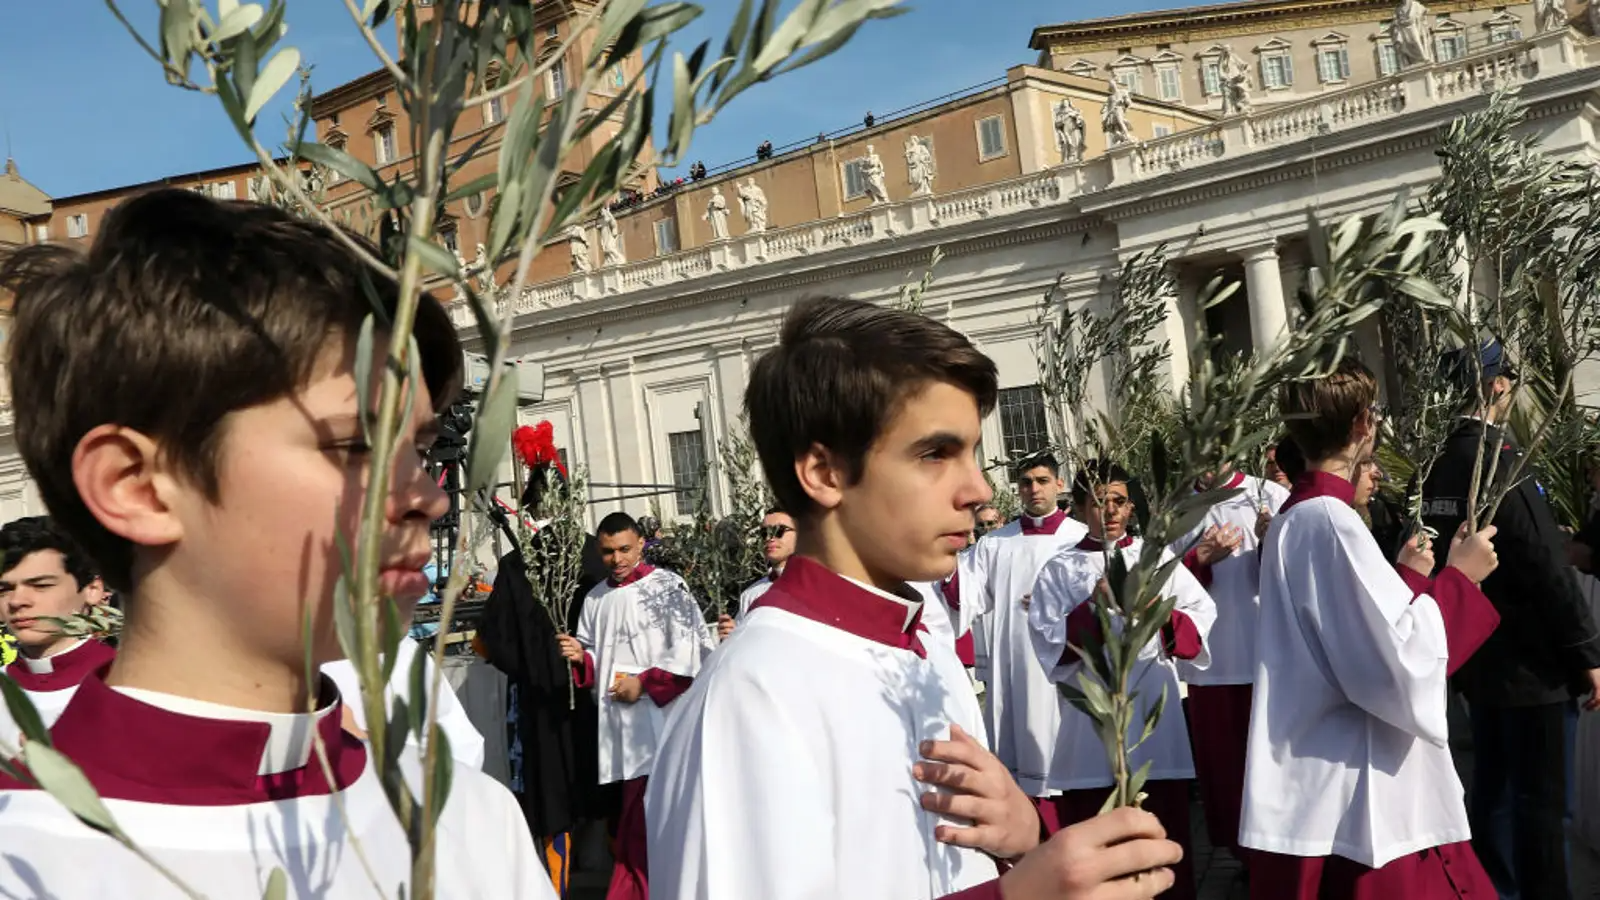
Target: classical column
[{"x": 1269, "y": 315}]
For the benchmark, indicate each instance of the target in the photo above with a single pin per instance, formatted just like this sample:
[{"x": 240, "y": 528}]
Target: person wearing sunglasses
[{"x": 778, "y": 538}]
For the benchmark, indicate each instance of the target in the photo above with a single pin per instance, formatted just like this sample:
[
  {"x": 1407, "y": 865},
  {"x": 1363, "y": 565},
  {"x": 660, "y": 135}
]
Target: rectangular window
[
  {"x": 223, "y": 191},
  {"x": 991, "y": 137},
  {"x": 1211, "y": 78},
  {"x": 1388, "y": 59},
  {"x": 1171, "y": 89},
  {"x": 666, "y": 236},
  {"x": 1277, "y": 71},
  {"x": 854, "y": 178},
  {"x": 1504, "y": 34},
  {"x": 41, "y": 233},
  {"x": 384, "y": 139},
  {"x": 1333, "y": 64},
  {"x": 448, "y": 236},
  {"x": 558, "y": 81},
  {"x": 1023, "y": 424},
  {"x": 1449, "y": 46},
  {"x": 78, "y": 225},
  {"x": 1128, "y": 77},
  {"x": 494, "y": 111},
  {"x": 687, "y": 450},
  {"x": 1161, "y": 131}
]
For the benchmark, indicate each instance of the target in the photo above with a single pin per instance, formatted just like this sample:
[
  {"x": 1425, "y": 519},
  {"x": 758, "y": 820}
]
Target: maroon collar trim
[
  {"x": 810, "y": 590},
  {"x": 1047, "y": 525},
  {"x": 1312, "y": 484},
  {"x": 67, "y": 670},
  {"x": 183, "y": 760},
  {"x": 1234, "y": 480},
  {"x": 1095, "y": 544},
  {"x": 639, "y": 571}
]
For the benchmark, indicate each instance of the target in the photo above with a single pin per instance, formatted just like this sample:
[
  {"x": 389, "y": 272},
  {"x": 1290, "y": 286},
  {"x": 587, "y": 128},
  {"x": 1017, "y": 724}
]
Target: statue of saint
[
  {"x": 1071, "y": 130},
  {"x": 753, "y": 206}
]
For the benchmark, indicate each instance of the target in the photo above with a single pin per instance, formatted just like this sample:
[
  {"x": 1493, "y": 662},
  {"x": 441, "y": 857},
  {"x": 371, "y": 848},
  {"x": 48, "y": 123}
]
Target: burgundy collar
[
  {"x": 1234, "y": 480},
  {"x": 1313, "y": 484},
  {"x": 639, "y": 571},
  {"x": 67, "y": 670},
  {"x": 809, "y": 590},
  {"x": 132, "y": 750},
  {"x": 1046, "y": 525},
  {"x": 1095, "y": 544}
]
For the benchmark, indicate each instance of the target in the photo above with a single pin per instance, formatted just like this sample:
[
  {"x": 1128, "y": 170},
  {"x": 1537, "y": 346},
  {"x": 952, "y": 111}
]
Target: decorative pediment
[
  {"x": 1276, "y": 45},
  {"x": 381, "y": 117},
  {"x": 1125, "y": 61},
  {"x": 1502, "y": 18},
  {"x": 1083, "y": 67},
  {"x": 1166, "y": 56},
  {"x": 1446, "y": 26},
  {"x": 335, "y": 137},
  {"x": 1215, "y": 51},
  {"x": 1331, "y": 38}
]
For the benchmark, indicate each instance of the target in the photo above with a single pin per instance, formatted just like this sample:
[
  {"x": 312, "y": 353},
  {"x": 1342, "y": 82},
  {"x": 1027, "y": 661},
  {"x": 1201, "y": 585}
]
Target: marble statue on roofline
[
  {"x": 717, "y": 214},
  {"x": 753, "y": 206},
  {"x": 1071, "y": 130},
  {"x": 1114, "y": 118},
  {"x": 610, "y": 239},
  {"x": 872, "y": 169},
  {"x": 1410, "y": 34},
  {"x": 578, "y": 246},
  {"x": 919, "y": 165}
]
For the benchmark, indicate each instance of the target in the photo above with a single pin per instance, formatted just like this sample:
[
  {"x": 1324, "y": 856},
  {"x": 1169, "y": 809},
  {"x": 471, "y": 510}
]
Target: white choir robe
[
  {"x": 651, "y": 622},
  {"x": 1021, "y": 701},
  {"x": 1349, "y": 749},
  {"x": 1065, "y": 584},
  {"x": 50, "y": 682},
  {"x": 785, "y": 771},
  {"x": 223, "y": 796},
  {"x": 751, "y": 594},
  {"x": 466, "y": 744}
]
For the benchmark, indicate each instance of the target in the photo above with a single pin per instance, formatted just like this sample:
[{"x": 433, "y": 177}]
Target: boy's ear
[
  {"x": 121, "y": 477},
  {"x": 821, "y": 476}
]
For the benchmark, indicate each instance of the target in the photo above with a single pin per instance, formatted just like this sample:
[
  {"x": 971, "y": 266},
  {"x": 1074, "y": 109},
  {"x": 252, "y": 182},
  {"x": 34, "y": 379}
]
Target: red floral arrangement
[{"x": 536, "y": 446}]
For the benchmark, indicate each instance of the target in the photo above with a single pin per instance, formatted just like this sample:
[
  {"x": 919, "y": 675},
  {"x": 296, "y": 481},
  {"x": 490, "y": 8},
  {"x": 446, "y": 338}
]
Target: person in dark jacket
[{"x": 1521, "y": 686}]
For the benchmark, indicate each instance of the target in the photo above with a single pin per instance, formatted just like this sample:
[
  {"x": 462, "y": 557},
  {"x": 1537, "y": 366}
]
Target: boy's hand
[
  {"x": 1263, "y": 522},
  {"x": 1417, "y": 555},
  {"x": 628, "y": 689},
  {"x": 724, "y": 627},
  {"x": 1121, "y": 855},
  {"x": 1592, "y": 702},
  {"x": 1474, "y": 554},
  {"x": 347, "y": 719},
  {"x": 570, "y": 648},
  {"x": 1217, "y": 544},
  {"x": 1004, "y": 821}
]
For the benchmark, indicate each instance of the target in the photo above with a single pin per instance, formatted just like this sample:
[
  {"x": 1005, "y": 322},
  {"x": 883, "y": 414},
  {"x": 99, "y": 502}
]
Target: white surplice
[
  {"x": 1065, "y": 583},
  {"x": 785, "y": 772},
  {"x": 652, "y": 622},
  {"x": 1235, "y": 582},
  {"x": 229, "y": 849},
  {"x": 751, "y": 594},
  {"x": 1021, "y": 708},
  {"x": 1349, "y": 751},
  {"x": 466, "y": 744}
]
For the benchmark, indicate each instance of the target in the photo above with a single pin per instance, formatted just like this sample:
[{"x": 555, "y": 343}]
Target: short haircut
[
  {"x": 21, "y": 537},
  {"x": 985, "y": 506},
  {"x": 1096, "y": 473},
  {"x": 1320, "y": 413},
  {"x": 840, "y": 373},
  {"x": 617, "y": 523},
  {"x": 184, "y": 309},
  {"x": 776, "y": 511},
  {"x": 1289, "y": 459},
  {"x": 1038, "y": 460}
]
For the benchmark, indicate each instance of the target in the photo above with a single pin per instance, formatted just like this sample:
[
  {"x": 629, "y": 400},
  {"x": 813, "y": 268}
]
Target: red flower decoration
[{"x": 536, "y": 446}]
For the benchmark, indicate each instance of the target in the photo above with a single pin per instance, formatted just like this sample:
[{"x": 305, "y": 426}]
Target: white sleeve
[
  {"x": 1195, "y": 602},
  {"x": 1276, "y": 496},
  {"x": 1053, "y": 600},
  {"x": 587, "y": 620},
  {"x": 685, "y": 639},
  {"x": 734, "y": 752},
  {"x": 466, "y": 744},
  {"x": 1386, "y": 652}
]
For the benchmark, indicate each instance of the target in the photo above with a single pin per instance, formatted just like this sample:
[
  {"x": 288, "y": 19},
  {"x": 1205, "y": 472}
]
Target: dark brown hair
[
  {"x": 1095, "y": 474},
  {"x": 841, "y": 371},
  {"x": 183, "y": 310},
  {"x": 1320, "y": 413}
]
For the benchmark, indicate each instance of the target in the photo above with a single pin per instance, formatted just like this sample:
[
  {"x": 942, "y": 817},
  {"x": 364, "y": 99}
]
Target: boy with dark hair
[
  {"x": 1350, "y": 789},
  {"x": 640, "y": 642},
  {"x": 992, "y": 586},
  {"x": 44, "y": 575},
  {"x": 787, "y": 772},
  {"x": 213, "y": 472},
  {"x": 1062, "y": 615}
]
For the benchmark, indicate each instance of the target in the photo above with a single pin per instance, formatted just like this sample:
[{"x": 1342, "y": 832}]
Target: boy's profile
[{"x": 187, "y": 403}]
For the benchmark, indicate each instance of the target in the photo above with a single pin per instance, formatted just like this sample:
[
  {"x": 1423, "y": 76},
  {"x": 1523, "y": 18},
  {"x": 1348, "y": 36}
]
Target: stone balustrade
[{"x": 1414, "y": 89}]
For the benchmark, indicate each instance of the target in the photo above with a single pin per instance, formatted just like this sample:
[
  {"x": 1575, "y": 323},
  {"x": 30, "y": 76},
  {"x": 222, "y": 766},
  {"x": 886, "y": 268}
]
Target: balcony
[{"x": 1415, "y": 89}]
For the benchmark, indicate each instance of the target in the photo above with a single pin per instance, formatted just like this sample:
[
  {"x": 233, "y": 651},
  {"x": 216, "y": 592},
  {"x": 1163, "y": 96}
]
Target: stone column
[{"x": 1269, "y": 315}]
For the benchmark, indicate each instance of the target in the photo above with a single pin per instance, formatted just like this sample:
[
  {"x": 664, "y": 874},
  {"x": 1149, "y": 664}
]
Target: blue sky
[{"x": 87, "y": 110}]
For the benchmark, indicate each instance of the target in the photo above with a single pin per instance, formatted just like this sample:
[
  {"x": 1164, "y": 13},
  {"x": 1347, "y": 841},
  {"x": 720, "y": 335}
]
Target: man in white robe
[
  {"x": 778, "y": 537},
  {"x": 1221, "y": 552},
  {"x": 1350, "y": 790},
  {"x": 790, "y": 770},
  {"x": 1062, "y": 614},
  {"x": 993, "y": 582},
  {"x": 640, "y": 643}
]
